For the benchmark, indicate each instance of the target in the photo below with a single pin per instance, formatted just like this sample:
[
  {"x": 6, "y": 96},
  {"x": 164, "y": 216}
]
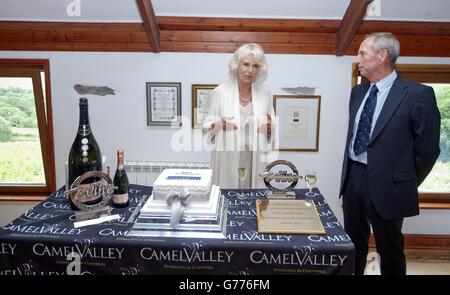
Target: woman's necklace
[
  {"x": 245, "y": 100},
  {"x": 245, "y": 89}
]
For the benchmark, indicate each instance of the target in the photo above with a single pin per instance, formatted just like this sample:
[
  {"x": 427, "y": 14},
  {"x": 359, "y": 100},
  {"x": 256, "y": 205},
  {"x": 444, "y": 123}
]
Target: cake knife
[{"x": 137, "y": 209}]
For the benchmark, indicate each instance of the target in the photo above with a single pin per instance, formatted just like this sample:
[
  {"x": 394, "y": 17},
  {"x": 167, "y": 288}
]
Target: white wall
[{"x": 120, "y": 121}]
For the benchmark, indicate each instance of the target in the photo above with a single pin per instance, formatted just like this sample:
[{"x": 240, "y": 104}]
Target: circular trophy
[
  {"x": 91, "y": 196},
  {"x": 281, "y": 177}
]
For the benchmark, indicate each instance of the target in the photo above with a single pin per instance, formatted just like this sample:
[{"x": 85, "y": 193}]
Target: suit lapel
[{"x": 396, "y": 94}]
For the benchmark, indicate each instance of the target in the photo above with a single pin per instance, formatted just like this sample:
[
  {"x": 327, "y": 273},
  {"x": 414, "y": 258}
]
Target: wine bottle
[
  {"x": 85, "y": 154},
  {"x": 120, "y": 195}
]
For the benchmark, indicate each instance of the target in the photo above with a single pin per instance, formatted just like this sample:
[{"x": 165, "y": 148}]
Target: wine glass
[
  {"x": 242, "y": 172},
  {"x": 310, "y": 179}
]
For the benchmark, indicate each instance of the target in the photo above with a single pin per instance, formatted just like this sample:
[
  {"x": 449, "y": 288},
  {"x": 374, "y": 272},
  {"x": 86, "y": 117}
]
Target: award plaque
[
  {"x": 287, "y": 216},
  {"x": 91, "y": 198},
  {"x": 281, "y": 212},
  {"x": 281, "y": 183}
]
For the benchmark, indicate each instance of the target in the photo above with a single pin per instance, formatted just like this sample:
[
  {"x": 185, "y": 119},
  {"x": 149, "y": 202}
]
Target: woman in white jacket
[{"x": 240, "y": 121}]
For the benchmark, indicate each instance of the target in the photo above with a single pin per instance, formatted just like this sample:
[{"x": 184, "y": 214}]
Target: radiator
[{"x": 146, "y": 172}]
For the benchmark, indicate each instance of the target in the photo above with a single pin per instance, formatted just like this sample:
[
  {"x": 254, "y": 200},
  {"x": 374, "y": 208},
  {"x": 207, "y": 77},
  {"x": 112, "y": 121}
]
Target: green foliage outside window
[
  {"x": 20, "y": 150},
  {"x": 439, "y": 178},
  {"x": 17, "y": 110},
  {"x": 5, "y": 130},
  {"x": 443, "y": 101}
]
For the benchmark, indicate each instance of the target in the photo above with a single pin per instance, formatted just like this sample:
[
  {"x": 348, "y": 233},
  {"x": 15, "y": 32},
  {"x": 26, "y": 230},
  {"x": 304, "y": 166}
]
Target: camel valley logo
[
  {"x": 329, "y": 239},
  {"x": 298, "y": 258},
  {"x": 85, "y": 251},
  {"x": 255, "y": 236},
  {"x": 46, "y": 229},
  {"x": 186, "y": 255},
  {"x": 7, "y": 249}
]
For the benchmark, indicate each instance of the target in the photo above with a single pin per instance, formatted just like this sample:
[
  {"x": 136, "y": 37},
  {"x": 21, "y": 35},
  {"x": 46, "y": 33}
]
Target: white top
[
  {"x": 245, "y": 154},
  {"x": 246, "y": 120}
]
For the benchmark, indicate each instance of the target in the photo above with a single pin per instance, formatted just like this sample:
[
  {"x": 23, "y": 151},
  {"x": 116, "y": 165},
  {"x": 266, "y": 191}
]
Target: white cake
[
  {"x": 203, "y": 209},
  {"x": 196, "y": 181},
  {"x": 203, "y": 215}
]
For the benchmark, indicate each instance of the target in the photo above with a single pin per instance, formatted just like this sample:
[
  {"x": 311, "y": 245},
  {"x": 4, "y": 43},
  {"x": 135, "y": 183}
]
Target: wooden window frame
[
  {"x": 32, "y": 68},
  {"x": 423, "y": 73}
]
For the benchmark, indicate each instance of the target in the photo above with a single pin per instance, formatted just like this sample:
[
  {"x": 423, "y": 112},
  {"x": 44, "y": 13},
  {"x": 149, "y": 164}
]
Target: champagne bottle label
[
  {"x": 120, "y": 196},
  {"x": 120, "y": 199}
]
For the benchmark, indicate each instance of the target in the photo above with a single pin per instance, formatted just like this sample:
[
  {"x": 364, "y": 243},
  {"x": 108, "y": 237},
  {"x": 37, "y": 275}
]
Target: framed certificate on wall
[
  {"x": 299, "y": 122},
  {"x": 201, "y": 98},
  {"x": 163, "y": 103}
]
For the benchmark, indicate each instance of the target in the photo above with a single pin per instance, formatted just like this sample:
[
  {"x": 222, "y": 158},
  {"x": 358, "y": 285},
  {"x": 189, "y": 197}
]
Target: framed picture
[
  {"x": 163, "y": 104},
  {"x": 201, "y": 97},
  {"x": 299, "y": 121}
]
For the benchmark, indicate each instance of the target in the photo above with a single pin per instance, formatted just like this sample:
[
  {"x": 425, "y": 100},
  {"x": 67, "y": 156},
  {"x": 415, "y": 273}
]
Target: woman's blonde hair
[{"x": 245, "y": 51}]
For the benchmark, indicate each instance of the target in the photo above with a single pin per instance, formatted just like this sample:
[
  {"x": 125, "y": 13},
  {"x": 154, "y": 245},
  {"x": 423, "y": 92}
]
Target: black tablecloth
[{"x": 42, "y": 239}]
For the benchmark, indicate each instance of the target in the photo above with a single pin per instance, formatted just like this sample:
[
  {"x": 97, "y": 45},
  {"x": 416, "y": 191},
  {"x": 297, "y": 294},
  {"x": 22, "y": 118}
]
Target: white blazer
[{"x": 225, "y": 155}]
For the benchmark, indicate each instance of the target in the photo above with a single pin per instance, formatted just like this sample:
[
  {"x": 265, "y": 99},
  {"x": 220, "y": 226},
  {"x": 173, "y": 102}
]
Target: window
[
  {"x": 434, "y": 192},
  {"x": 27, "y": 165}
]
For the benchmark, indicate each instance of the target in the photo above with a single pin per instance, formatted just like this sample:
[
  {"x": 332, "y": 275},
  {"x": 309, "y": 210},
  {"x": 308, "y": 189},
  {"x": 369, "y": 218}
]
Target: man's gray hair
[
  {"x": 386, "y": 40},
  {"x": 245, "y": 51}
]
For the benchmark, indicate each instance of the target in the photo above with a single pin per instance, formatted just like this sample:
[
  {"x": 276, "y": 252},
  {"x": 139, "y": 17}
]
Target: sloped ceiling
[
  {"x": 127, "y": 11},
  {"x": 280, "y": 26}
]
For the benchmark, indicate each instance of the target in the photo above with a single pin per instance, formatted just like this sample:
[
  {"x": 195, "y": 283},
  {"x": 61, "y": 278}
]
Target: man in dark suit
[{"x": 392, "y": 145}]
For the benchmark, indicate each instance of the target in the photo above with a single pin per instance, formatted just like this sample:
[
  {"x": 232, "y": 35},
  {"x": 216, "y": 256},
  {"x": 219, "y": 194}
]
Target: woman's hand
[
  {"x": 228, "y": 123},
  {"x": 225, "y": 123},
  {"x": 266, "y": 128}
]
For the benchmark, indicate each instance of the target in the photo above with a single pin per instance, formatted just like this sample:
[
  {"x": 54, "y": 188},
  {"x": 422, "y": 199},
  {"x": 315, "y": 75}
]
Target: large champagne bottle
[
  {"x": 120, "y": 195},
  {"x": 85, "y": 153}
]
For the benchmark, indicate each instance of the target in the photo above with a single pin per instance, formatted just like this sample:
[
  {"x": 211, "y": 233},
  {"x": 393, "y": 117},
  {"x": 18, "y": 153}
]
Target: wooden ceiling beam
[
  {"x": 71, "y": 36},
  {"x": 77, "y": 46},
  {"x": 247, "y": 24},
  {"x": 253, "y": 25},
  {"x": 71, "y": 26},
  {"x": 193, "y": 34},
  {"x": 150, "y": 24},
  {"x": 247, "y": 37},
  {"x": 406, "y": 28},
  {"x": 228, "y": 47},
  {"x": 350, "y": 24}
]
